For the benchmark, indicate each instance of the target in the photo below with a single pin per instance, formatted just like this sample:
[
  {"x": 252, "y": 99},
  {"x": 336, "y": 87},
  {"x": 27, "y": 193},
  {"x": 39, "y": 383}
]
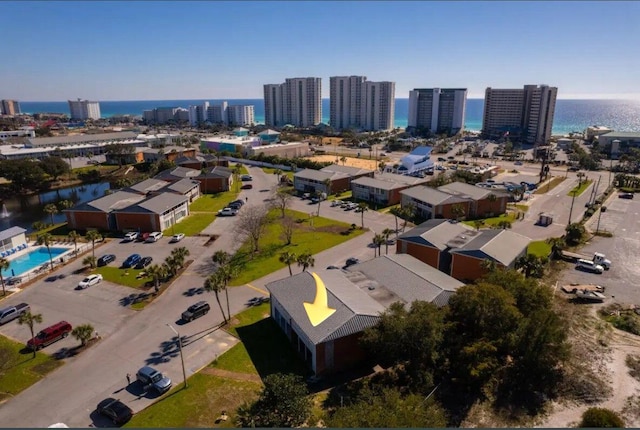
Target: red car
[{"x": 247, "y": 186}]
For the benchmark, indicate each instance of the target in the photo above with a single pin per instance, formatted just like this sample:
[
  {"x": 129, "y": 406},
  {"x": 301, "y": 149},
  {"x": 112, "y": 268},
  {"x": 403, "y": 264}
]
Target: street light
[{"x": 184, "y": 372}]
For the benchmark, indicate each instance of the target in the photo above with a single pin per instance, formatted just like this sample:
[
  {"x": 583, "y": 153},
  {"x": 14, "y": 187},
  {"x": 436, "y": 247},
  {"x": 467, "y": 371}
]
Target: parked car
[
  {"x": 351, "y": 261},
  {"x": 131, "y": 236},
  {"x": 589, "y": 266},
  {"x": 144, "y": 262},
  {"x": 240, "y": 202},
  {"x": 228, "y": 212},
  {"x": 115, "y": 410},
  {"x": 177, "y": 238},
  {"x": 106, "y": 259},
  {"x": 131, "y": 260},
  {"x": 235, "y": 205},
  {"x": 195, "y": 311},
  {"x": 12, "y": 312},
  {"x": 153, "y": 237},
  {"x": 335, "y": 203},
  {"x": 245, "y": 178},
  {"x": 518, "y": 163},
  {"x": 247, "y": 186},
  {"x": 152, "y": 378},
  {"x": 50, "y": 335},
  {"x": 626, "y": 196},
  {"x": 89, "y": 281}
]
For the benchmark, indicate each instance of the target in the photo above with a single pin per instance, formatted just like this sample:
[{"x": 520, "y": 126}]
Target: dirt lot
[{"x": 352, "y": 162}]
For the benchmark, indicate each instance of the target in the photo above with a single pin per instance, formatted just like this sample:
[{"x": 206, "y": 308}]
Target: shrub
[{"x": 601, "y": 418}]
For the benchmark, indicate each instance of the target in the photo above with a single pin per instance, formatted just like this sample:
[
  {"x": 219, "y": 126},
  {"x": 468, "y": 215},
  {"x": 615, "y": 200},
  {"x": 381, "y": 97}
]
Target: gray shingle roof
[
  {"x": 388, "y": 181},
  {"x": 158, "y": 204},
  {"x": 81, "y": 138},
  {"x": 317, "y": 175},
  {"x": 461, "y": 189},
  {"x": 350, "y": 171},
  {"x": 218, "y": 172},
  {"x": 503, "y": 246},
  {"x": 430, "y": 195},
  {"x": 182, "y": 186},
  {"x": 148, "y": 185},
  {"x": 11, "y": 232},
  {"x": 436, "y": 233},
  {"x": 110, "y": 202},
  {"x": 177, "y": 173}
]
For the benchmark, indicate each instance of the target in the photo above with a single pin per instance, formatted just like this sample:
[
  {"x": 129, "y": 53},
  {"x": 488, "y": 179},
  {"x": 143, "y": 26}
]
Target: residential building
[
  {"x": 84, "y": 109},
  {"x": 619, "y": 142},
  {"x": 10, "y": 107},
  {"x": 347, "y": 97},
  {"x": 23, "y": 132},
  {"x": 440, "y": 111},
  {"x": 12, "y": 238},
  {"x": 484, "y": 202},
  {"x": 379, "y": 106},
  {"x": 524, "y": 115},
  {"x": 592, "y": 132},
  {"x": 177, "y": 173},
  {"x": 215, "y": 180},
  {"x": 459, "y": 250},
  {"x": 241, "y": 115},
  {"x": 229, "y": 143},
  {"x": 185, "y": 187},
  {"x": 383, "y": 189},
  {"x": 155, "y": 213},
  {"x": 99, "y": 213},
  {"x": 328, "y": 180},
  {"x": 358, "y": 296},
  {"x": 269, "y": 136},
  {"x": 284, "y": 150},
  {"x": 297, "y": 102}
]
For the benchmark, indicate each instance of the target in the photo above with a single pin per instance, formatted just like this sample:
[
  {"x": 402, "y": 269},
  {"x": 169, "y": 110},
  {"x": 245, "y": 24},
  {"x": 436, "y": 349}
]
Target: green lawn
[
  {"x": 493, "y": 221},
  {"x": 577, "y": 190},
  {"x": 213, "y": 202},
  {"x": 192, "y": 225},
  {"x": 117, "y": 276},
  {"x": 539, "y": 248},
  {"x": 272, "y": 171},
  {"x": 19, "y": 371},
  {"x": 324, "y": 234},
  {"x": 199, "y": 405},
  {"x": 555, "y": 181}
]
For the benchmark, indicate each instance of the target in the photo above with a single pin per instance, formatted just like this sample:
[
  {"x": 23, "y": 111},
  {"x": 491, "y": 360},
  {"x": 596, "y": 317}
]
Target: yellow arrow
[{"x": 319, "y": 310}]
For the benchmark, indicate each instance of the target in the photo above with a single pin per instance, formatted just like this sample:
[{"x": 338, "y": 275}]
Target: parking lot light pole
[{"x": 184, "y": 372}]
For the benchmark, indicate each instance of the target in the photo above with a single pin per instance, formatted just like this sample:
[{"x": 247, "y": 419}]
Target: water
[
  {"x": 23, "y": 211},
  {"x": 570, "y": 115},
  {"x": 31, "y": 260}
]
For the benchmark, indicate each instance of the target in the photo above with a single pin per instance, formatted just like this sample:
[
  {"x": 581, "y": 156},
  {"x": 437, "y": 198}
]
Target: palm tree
[
  {"x": 65, "y": 204},
  {"x": 4, "y": 265},
  {"x": 215, "y": 283},
  {"x": 378, "y": 240},
  {"x": 46, "y": 239},
  {"x": 227, "y": 272},
  {"x": 557, "y": 244},
  {"x": 478, "y": 223},
  {"x": 74, "y": 236},
  {"x": 51, "y": 209},
  {"x": 407, "y": 213},
  {"x": 386, "y": 234},
  {"x": 396, "y": 211},
  {"x": 83, "y": 333},
  {"x": 90, "y": 261},
  {"x": 277, "y": 172},
  {"x": 171, "y": 265},
  {"x": 156, "y": 272},
  {"x": 362, "y": 208},
  {"x": 492, "y": 198},
  {"x": 343, "y": 159},
  {"x": 179, "y": 255},
  {"x": 306, "y": 260},
  {"x": 93, "y": 236},
  {"x": 489, "y": 265},
  {"x": 30, "y": 320},
  {"x": 532, "y": 265},
  {"x": 236, "y": 175},
  {"x": 288, "y": 258},
  {"x": 457, "y": 211}
]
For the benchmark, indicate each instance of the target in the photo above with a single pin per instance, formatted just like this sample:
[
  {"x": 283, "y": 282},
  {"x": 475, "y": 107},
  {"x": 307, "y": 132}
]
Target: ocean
[{"x": 570, "y": 115}]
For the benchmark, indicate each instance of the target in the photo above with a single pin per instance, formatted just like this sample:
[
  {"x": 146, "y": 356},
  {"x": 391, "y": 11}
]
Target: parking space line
[{"x": 266, "y": 293}]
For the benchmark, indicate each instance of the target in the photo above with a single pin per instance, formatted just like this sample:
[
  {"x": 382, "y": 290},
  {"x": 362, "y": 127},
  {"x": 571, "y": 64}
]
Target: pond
[{"x": 25, "y": 210}]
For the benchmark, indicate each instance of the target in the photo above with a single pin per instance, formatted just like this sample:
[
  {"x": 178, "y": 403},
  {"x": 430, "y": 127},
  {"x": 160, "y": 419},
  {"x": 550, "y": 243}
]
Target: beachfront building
[
  {"x": 379, "y": 106},
  {"x": 524, "y": 115},
  {"x": 592, "y": 132},
  {"x": 84, "y": 109},
  {"x": 346, "y": 102},
  {"x": 437, "y": 110},
  {"x": 298, "y": 101},
  {"x": 617, "y": 143},
  {"x": 10, "y": 107}
]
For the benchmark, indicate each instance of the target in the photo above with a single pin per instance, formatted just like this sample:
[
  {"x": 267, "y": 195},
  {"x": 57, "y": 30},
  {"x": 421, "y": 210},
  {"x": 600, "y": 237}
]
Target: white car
[
  {"x": 89, "y": 281},
  {"x": 131, "y": 236},
  {"x": 228, "y": 212},
  {"x": 177, "y": 237},
  {"x": 154, "y": 237}
]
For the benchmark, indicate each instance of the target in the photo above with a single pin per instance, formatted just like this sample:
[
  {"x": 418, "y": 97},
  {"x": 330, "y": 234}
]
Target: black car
[
  {"x": 351, "y": 261},
  {"x": 239, "y": 202},
  {"x": 626, "y": 196},
  {"x": 196, "y": 311},
  {"x": 115, "y": 410},
  {"x": 235, "y": 205},
  {"x": 106, "y": 259},
  {"x": 144, "y": 262}
]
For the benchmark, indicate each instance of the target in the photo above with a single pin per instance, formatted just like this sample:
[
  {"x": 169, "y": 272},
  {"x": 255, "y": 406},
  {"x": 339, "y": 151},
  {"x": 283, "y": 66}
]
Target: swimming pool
[{"x": 31, "y": 260}]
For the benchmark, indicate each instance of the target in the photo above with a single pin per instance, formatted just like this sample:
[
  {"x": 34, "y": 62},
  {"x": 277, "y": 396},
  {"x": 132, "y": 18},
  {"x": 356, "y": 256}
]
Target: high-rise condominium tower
[
  {"x": 298, "y": 102},
  {"x": 84, "y": 109},
  {"x": 10, "y": 107},
  {"x": 438, "y": 110},
  {"x": 521, "y": 114},
  {"x": 360, "y": 104}
]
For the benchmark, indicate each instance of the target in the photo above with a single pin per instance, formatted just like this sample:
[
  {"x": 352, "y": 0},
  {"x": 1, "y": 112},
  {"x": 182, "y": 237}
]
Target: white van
[
  {"x": 154, "y": 237},
  {"x": 589, "y": 266}
]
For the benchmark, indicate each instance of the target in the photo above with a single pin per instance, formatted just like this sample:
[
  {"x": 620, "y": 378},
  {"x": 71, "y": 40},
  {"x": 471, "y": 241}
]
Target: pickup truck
[
  {"x": 597, "y": 258},
  {"x": 12, "y": 312}
]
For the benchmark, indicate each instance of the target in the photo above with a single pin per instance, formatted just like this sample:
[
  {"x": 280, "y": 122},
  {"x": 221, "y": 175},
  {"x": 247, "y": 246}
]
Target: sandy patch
[{"x": 361, "y": 163}]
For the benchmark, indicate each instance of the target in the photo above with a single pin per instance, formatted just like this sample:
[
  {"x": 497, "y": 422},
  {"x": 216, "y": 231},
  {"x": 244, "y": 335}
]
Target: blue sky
[{"x": 214, "y": 50}]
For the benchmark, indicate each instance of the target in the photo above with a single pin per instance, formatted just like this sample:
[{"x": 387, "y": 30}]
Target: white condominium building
[
  {"x": 379, "y": 106},
  {"x": 9, "y": 107},
  {"x": 439, "y": 110},
  {"x": 241, "y": 115},
  {"x": 298, "y": 102},
  {"x": 520, "y": 114},
  {"x": 221, "y": 114},
  {"x": 84, "y": 109}
]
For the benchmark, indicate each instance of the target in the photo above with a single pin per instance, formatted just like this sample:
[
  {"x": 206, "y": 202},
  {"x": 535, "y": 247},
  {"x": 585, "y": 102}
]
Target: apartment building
[
  {"x": 84, "y": 109},
  {"x": 524, "y": 115},
  {"x": 298, "y": 101},
  {"x": 221, "y": 114},
  {"x": 10, "y": 107},
  {"x": 346, "y": 101},
  {"x": 438, "y": 110},
  {"x": 379, "y": 106}
]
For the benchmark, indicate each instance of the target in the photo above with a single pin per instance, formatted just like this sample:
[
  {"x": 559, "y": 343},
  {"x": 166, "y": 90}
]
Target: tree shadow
[{"x": 134, "y": 298}]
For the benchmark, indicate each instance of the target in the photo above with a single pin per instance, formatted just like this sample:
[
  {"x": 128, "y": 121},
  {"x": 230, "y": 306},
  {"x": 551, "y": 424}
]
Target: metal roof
[
  {"x": 317, "y": 175},
  {"x": 182, "y": 186},
  {"x": 436, "y": 232},
  {"x": 218, "y": 172},
  {"x": 148, "y": 185},
  {"x": 157, "y": 204},
  {"x": 351, "y": 171},
  {"x": 111, "y": 202},
  {"x": 388, "y": 181},
  {"x": 503, "y": 246},
  {"x": 78, "y": 138},
  {"x": 11, "y": 232},
  {"x": 461, "y": 189},
  {"x": 431, "y": 196},
  {"x": 177, "y": 172}
]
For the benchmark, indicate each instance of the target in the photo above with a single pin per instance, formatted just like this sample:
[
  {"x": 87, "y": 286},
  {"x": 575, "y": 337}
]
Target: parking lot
[{"x": 621, "y": 281}]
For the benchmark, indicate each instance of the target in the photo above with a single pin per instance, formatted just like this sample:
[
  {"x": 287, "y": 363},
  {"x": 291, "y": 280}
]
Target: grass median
[
  {"x": 18, "y": 371},
  {"x": 323, "y": 234},
  {"x": 539, "y": 248},
  {"x": 554, "y": 182},
  {"x": 493, "y": 221},
  {"x": 127, "y": 277},
  {"x": 579, "y": 189}
]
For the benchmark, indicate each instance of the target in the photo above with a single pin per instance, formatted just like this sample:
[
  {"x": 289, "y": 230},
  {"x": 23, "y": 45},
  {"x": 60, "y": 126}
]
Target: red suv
[{"x": 50, "y": 335}]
